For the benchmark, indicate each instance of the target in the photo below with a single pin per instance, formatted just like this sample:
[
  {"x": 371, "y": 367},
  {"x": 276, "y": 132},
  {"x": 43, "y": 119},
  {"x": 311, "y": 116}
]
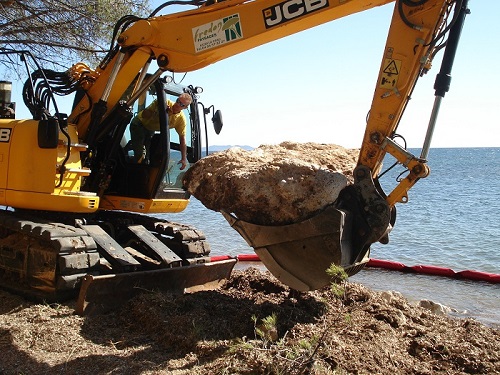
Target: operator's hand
[{"x": 183, "y": 164}]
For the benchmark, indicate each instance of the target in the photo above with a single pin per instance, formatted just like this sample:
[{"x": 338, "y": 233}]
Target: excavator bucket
[
  {"x": 299, "y": 254},
  {"x": 99, "y": 294}
]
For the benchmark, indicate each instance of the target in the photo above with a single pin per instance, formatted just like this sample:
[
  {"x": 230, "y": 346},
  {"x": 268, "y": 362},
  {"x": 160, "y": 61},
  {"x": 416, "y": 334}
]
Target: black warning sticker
[{"x": 390, "y": 73}]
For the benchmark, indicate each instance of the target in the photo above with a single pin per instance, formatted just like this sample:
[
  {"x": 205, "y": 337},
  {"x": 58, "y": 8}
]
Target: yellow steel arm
[
  {"x": 407, "y": 53},
  {"x": 194, "y": 39}
]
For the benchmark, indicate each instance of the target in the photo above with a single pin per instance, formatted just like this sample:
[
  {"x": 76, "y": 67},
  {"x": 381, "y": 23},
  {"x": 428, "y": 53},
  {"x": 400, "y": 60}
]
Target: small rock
[
  {"x": 434, "y": 307},
  {"x": 390, "y": 296}
]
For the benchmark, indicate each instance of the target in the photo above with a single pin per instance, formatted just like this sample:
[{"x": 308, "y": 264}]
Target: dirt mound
[
  {"x": 272, "y": 184},
  {"x": 251, "y": 325}
]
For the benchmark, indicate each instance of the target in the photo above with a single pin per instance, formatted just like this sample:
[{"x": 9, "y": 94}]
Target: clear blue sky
[{"x": 316, "y": 86}]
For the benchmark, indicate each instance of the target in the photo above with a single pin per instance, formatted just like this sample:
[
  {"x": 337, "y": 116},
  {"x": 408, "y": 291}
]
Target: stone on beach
[{"x": 272, "y": 184}]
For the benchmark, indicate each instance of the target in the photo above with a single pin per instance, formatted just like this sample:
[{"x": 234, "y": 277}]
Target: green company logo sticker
[{"x": 216, "y": 33}]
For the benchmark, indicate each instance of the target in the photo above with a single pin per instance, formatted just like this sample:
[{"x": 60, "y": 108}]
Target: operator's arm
[
  {"x": 182, "y": 141},
  {"x": 178, "y": 122}
]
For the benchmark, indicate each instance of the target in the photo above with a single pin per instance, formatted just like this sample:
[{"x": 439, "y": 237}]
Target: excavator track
[
  {"x": 43, "y": 260},
  {"x": 105, "y": 258},
  {"x": 187, "y": 241}
]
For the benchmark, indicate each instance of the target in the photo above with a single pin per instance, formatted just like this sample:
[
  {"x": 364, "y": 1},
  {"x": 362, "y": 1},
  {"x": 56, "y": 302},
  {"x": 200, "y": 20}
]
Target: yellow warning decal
[{"x": 390, "y": 73}]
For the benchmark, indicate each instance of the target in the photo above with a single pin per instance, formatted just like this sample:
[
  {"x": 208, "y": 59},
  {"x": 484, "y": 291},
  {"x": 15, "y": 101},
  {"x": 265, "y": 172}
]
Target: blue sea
[{"x": 452, "y": 219}]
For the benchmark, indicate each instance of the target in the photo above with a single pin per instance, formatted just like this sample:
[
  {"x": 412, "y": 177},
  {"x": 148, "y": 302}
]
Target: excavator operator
[{"x": 146, "y": 122}]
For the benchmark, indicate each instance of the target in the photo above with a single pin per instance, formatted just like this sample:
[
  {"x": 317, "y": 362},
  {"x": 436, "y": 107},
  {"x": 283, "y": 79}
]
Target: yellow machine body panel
[
  {"x": 24, "y": 166},
  {"x": 145, "y": 206},
  {"x": 52, "y": 202},
  {"x": 5, "y": 132}
]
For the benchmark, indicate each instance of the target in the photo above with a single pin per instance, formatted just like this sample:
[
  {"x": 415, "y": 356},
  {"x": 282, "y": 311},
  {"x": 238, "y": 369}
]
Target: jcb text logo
[
  {"x": 288, "y": 10},
  {"x": 5, "y": 134}
]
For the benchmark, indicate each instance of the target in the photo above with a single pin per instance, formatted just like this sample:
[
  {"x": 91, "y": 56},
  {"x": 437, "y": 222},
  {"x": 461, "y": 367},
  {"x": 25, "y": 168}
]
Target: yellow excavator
[{"x": 79, "y": 211}]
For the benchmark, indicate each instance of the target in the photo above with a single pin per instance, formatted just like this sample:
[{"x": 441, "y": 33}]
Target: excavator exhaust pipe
[{"x": 299, "y": 254}]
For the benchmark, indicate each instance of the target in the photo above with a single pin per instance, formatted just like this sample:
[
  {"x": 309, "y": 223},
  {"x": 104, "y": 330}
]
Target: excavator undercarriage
[{"x": 106, "y": 258}]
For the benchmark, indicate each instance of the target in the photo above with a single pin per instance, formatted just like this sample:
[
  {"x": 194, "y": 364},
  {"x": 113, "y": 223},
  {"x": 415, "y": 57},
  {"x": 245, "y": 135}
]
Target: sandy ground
[{"x": 251, "y": 325}]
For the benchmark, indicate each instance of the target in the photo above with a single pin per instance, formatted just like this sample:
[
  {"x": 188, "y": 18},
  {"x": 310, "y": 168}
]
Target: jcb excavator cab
[
  {"x": 160, "y": 167},
  {"x": 158, "y": 177}
]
